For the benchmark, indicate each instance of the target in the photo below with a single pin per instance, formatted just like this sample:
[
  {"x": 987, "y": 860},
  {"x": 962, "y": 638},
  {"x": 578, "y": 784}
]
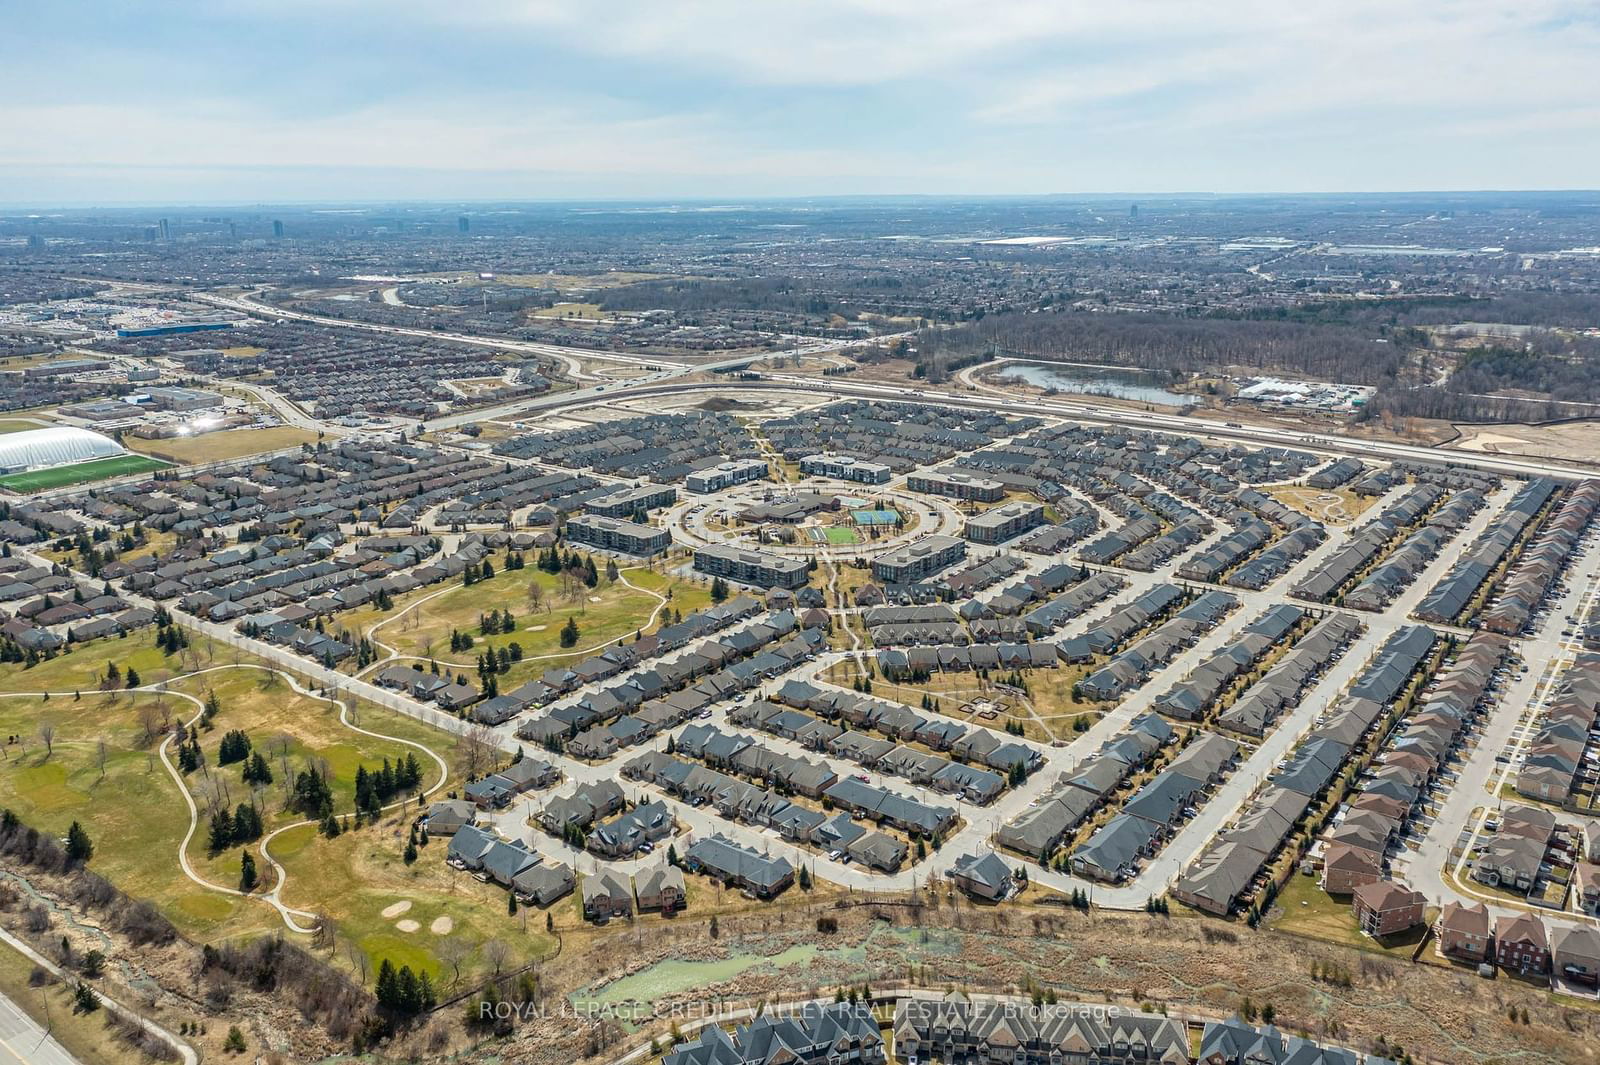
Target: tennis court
[{"x": 875, "y": 517}]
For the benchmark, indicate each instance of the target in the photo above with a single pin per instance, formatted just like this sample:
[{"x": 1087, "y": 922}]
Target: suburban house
[
  {"x": 468, "y": 846},
  {"x": 607, "y": 895},
  {"x": 741, "y": 867},
  {"x": 955, "y": 1028},
  {"x": 542, "y": 884},
  {"x": 1346, "y": 867},
  {"x": 1384, "y": 908},
  {"x": 1464, "y": 932},
  {"x": 982, "y": 876},
  {"x": 839, "y": 1033},
  {"x": 1521, "y": 944},
  {"x": 641, "y": 826},
  {"x": 661, "y": 889},
  {"x": 1575, "y": 953},
  {"x": 448, "y": 816}
]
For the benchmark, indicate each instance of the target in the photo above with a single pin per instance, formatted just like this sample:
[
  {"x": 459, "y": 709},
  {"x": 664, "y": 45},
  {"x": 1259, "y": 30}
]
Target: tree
[
  {"x": 235, "y": 747},
  {"x": 234, "y": 1044},
  {"x": 719, "y": 590},
  {"x": 496, "y": 953},
  {"x": 47, "y": 734},
  {"x": 221, "y": 837},
  {"x": 247, "y": 873},
  {"x": 84, "y": 1000},
  {"x": 132, "y": 680},
  {"x": 453, "y": 951},
  {"x": 570, "y": 633},
  {"x": 79, "y": 848}
]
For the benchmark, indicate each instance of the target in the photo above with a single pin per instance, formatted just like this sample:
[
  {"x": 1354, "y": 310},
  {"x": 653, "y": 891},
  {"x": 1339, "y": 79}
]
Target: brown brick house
[{"x": 1384, "y": 908}]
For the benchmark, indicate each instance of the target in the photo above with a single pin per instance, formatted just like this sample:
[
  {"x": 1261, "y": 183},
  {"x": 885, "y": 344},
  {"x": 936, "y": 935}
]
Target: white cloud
[{"x": 852, "y": 95}]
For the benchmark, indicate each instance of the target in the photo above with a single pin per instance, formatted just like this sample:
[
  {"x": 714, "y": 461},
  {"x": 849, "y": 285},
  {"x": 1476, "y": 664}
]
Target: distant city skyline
[{"x": 482, "y": 100}]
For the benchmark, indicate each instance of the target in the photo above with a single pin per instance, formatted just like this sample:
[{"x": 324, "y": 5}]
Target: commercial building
[
  {"x": 172, "y": 328},
  {"x": 750, "y": 567},
  {"x": 957, "y": 486},
  {"x": 182, "y": 398},
  {"x": 845, "y": 468},
  {"x": 614, "y": 534},
  {"x": 1004, "y": 523},
  {"x": 725, "y": 475},
  {"x": 63, "y": 367},
  {"x": 918, "y": 560}
]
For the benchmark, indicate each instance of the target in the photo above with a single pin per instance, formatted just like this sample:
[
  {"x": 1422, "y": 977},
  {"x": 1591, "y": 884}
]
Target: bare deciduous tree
[
  {"x": 150, "y": 722},
  {"x": 47, "y": 733},
  {"x": 496, "y": 953},
  {"x": 453, "y": 951},
  {"x": 478, "y": 750}
]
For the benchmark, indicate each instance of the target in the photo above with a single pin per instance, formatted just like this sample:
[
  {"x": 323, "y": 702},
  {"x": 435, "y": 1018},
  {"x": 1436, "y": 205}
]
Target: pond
[
  {"x": 674, "y": 977},
  {"x": 625, "y": 997},
  {"x": 1141, "y": 386}
]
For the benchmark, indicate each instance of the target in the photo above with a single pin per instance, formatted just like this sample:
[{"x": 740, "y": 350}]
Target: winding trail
[{"x": 272, "y": 896}]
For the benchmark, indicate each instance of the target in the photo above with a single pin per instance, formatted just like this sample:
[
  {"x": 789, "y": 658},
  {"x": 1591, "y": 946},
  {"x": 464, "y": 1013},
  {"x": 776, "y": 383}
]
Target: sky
[{"x": 240, "y": 101}]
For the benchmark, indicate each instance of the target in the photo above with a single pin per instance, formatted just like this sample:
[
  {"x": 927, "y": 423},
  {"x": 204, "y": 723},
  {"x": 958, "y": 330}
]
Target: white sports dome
[{"x": 34, "y": 449}]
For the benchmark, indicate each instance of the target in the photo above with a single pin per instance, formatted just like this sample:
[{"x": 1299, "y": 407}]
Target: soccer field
[
  {"x": 80, "y": 473},
  {"x": 842, "y": 534}
]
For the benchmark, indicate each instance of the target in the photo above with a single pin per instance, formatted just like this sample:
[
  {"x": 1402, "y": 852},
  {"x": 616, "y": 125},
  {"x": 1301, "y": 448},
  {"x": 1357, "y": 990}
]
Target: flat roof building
[
  {"x": 918, "y": 560},
  {"x": 632, "y": 502},
  {"x": 957, "y": 486},
  {"x": 1004, "y": 522},
  {"x": 750, "y": 567},
  {"x": 615, "y": 534},
  {"x": 725, "y": 475},
  {"x": 845, "y": 468}
]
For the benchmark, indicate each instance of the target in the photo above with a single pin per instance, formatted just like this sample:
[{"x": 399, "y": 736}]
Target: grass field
[
  {"x": 20, "y": 425},
  {"x": 605, "y": 613},
  {"x": 132, "y": 809},
  {"x": 80, "y": 473},
  {"x": 842, "y": 534},
  {"x": 590, "y": 311},
  {"x": 1309, "y": 911},
  {"x": 224, "y": 444},
  {"x": 355, "y": 877}
]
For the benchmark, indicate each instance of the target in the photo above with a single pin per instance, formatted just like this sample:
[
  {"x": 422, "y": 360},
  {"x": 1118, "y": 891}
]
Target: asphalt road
[{"x": 23, "y": 1041}]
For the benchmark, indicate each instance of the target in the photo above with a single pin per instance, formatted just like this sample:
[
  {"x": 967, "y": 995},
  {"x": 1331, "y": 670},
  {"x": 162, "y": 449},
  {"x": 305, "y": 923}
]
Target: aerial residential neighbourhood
[{"x": 701, "y": 535}]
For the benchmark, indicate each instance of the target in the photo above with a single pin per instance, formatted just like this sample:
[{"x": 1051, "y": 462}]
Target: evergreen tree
[
  {"x": 247, "y": 873},
  {"x": 570, "y": 633},
  {"x": 79, "y": 849},
  {"x": 221, "y": 831}
]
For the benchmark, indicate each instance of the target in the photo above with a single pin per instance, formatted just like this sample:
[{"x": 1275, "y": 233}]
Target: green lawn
[
  {"x": 606, "y": 613},
  {"x": 359, "y": 875},
  {"x": 80, "y": 473},
  {"x": 842, "y": 534},
  {"x": 1310, "y": 911},
  {"x": 132, "y": 810}
]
